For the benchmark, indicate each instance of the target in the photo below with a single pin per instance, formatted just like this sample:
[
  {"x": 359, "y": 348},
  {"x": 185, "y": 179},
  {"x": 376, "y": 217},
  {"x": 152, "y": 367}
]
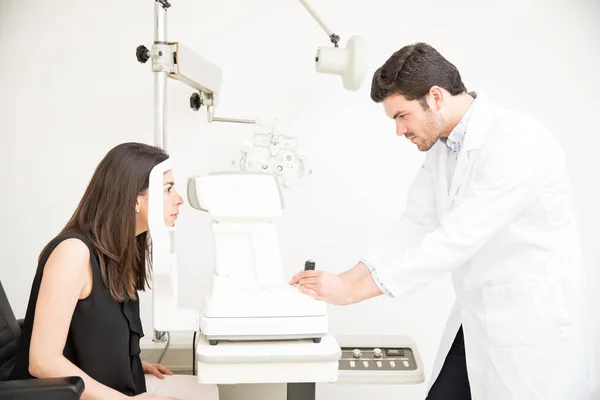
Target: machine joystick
[{"x": 309, "y": 265}]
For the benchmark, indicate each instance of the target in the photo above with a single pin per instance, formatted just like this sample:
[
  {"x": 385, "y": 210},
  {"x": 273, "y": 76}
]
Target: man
[{"x": 490, "y": 205}]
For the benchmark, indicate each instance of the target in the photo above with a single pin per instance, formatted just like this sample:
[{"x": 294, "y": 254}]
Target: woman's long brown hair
[{"x": 106, "y": 216}]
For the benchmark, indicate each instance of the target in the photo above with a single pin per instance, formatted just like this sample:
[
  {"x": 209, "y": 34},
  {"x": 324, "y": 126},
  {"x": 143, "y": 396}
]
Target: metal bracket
[{"x": 163, "y": 58}]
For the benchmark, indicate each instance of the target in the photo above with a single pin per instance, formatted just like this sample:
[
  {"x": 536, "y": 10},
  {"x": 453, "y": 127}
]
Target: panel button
[
  {"x": 406, "y": 364},
  {"x": 394, "y": 352},
  {"x": 379, "y": 364},
  {"x": 393, "y": 364},
  {"x": 366, "y": 364}
]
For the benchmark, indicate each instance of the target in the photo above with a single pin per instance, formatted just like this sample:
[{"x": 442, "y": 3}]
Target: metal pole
[
  {"x": 160, "y": 101},
  {"x": 160, "y": 79},
  {"x": 234, "y": 120}
]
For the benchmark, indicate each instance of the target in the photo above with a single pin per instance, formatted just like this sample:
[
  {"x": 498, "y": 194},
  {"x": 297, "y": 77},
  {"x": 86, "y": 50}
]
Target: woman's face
[
  {"x": 171, "y": 202},
  {"x": 172, "y": 199}
]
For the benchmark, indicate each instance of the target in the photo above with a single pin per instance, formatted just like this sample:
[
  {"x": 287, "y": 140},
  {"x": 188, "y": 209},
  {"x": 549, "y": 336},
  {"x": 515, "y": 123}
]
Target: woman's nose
[{"x": 179, "y": 199}]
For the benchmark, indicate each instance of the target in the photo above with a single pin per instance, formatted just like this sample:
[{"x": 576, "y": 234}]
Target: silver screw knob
[
  {"x": 377, "y": 353},
  {"x": 356, "y": 353}
]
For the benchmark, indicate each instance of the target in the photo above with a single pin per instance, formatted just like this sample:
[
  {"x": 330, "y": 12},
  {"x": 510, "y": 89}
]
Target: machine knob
[
  {"x": 356, "y": 353},
  {"x": 142, "y": 54},
  {"x": 377, "y": 353},
  {"x": 196, "y": 101}
]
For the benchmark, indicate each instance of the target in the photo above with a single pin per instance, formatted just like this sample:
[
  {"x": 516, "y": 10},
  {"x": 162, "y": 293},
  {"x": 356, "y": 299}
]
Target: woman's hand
[
  {"x": 148, "y": 396},
  {"x": 155, "y": 369}
]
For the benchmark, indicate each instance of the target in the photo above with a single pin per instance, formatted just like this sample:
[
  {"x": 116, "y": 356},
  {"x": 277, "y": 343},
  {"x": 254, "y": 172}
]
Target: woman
[{"x": 83, "y": 314}]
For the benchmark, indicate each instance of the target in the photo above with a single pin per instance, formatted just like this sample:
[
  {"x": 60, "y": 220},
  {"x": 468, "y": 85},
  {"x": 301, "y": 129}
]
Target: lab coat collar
[
  {"x": 478, "y": 124},
  {"x": 474, "y": 138}
]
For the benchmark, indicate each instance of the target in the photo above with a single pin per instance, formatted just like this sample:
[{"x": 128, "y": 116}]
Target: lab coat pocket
[
  {"x": 556, "y": 202},
  {"x": 515, "y": 314}
]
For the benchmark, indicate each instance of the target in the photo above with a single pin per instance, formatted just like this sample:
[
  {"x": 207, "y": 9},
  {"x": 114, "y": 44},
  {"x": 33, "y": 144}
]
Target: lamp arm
[{"x": 332, "y": 36}]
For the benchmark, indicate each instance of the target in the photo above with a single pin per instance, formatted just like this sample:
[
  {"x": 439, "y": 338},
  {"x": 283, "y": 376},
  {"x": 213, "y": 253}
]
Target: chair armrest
[{"x": 69, "y": 388}]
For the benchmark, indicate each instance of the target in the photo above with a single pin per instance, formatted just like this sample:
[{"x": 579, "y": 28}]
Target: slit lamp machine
[{"x": 252, "y": 317}]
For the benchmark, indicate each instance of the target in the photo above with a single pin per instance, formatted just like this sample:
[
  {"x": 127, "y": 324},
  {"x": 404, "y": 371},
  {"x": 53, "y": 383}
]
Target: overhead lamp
[{"x": 350, "y": 62}]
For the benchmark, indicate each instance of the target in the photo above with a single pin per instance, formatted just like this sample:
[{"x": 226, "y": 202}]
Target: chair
[{"x": 68, "y": 388}]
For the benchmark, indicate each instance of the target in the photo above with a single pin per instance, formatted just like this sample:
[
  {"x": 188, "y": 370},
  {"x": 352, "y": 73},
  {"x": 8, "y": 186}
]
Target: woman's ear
[{"x": 140, "y": 203}]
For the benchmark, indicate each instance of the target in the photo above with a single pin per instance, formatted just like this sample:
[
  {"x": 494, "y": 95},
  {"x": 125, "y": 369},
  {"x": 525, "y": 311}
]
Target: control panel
[{"x": 379, "y": 360}]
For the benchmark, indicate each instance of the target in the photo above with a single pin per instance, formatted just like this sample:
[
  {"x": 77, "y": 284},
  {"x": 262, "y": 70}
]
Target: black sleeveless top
[{"x": 104, "y": 335}]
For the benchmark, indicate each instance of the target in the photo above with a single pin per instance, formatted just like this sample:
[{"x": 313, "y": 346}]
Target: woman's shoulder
[
  {"x": 73, "y": 245},
  {"x": 70, "y": 248}
]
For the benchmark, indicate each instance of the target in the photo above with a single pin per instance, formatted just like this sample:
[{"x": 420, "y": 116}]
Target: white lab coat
[{"x": 505, "y": 230}]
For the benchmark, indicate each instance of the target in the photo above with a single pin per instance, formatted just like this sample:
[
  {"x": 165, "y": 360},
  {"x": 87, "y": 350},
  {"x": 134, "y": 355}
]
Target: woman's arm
[{"x": 67, "y": 278}]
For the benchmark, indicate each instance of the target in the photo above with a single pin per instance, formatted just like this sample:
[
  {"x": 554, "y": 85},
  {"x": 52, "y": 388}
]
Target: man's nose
[{"x": 400, "y": 129}]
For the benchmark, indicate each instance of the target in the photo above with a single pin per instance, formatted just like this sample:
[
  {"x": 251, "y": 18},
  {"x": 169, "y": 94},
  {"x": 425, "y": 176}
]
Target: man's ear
[{"x": 437, "y": 96}]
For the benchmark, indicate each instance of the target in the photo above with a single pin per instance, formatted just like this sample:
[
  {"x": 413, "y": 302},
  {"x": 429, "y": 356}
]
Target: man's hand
[
  {"x": 323, "y": 286},
  {"x": 351, "y": 287},
  {"x": 155, "y": 369}
]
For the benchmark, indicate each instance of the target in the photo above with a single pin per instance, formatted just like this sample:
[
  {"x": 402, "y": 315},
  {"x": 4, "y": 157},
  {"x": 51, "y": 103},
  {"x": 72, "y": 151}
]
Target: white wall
[{"x": 71, "y": 89}]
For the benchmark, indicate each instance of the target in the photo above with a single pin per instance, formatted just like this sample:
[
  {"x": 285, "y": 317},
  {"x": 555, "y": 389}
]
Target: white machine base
[
  {"x": 245, "y": 329},
  {"x": 268, "y": 362}
]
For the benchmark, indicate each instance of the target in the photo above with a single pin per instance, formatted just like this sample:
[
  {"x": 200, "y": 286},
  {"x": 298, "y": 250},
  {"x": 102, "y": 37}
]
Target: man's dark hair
[{"x": 412, "y": 71}]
